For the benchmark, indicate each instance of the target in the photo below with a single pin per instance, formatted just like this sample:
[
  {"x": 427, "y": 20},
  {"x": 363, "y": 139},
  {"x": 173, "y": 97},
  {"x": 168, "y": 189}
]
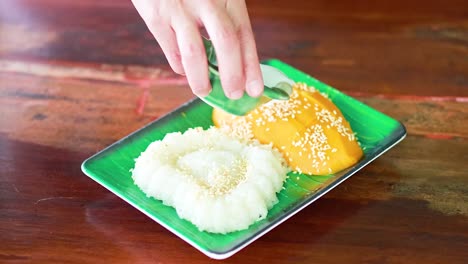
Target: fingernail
[
  {"x": 202, "y": 93},
  {"x": 255, "y": 88},
  {"x": 236, "y": 94}
]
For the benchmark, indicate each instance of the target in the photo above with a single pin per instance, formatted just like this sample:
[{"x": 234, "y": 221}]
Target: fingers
[
  {"x": 228, "y": 50},
  {"x": 167, "y": 40},
  {"x": 192, "y": 54},
  {"x": 251, "y": 65},
  {"x": 175, "y": 26},
  {"x": 159, "y": 26}
]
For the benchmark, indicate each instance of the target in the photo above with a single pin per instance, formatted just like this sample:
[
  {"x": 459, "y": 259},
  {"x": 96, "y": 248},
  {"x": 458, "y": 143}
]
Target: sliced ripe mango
[{"x": 308, "y": 129}]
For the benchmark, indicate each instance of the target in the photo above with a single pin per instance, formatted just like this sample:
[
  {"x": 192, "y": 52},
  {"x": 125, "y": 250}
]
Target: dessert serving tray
[{"x": 376, "y": 132}]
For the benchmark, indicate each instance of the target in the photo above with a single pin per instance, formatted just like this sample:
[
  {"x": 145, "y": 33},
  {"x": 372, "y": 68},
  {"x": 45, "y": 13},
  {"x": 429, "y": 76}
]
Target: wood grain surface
[{"x": 75, "y": 76}]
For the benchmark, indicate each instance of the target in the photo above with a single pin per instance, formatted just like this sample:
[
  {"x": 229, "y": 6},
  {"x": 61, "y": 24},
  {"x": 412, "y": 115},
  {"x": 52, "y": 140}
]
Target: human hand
[{"x": 176, "y": 26}]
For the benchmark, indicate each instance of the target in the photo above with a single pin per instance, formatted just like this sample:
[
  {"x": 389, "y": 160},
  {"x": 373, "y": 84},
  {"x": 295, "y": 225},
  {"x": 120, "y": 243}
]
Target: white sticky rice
[{"x": 216, "y": 181}]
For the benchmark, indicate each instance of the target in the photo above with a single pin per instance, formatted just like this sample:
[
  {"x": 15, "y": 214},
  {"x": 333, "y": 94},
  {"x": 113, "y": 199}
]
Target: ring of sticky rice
[
  {"x": 216, "y": 181},
  {"x": 308, "y": 129}
]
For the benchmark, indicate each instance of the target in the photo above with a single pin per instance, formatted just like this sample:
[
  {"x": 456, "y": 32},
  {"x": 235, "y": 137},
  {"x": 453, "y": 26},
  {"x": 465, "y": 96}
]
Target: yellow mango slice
[{"x": 308, "y": 129}]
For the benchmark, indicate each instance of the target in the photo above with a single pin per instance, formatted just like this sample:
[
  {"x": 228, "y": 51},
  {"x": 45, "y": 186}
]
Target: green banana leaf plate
[{"x": 375, "y": 131}]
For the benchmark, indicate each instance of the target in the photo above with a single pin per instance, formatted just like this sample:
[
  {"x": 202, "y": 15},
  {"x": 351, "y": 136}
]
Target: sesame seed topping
[
  {"x": 334, "y": 121},
  {"x": 226, "y": 179},
  {"x": 312, "y": 142}
]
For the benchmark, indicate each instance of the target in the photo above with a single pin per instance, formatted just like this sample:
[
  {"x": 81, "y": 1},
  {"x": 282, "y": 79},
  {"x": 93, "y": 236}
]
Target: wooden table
[{"x": 75, "y": 76}]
